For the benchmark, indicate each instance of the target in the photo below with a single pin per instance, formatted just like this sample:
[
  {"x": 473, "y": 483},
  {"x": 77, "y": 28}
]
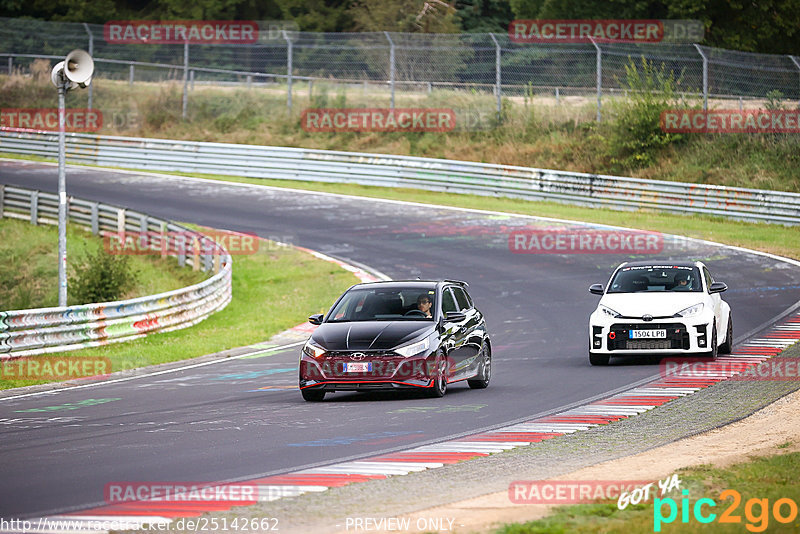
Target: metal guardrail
[
  {"x": 421, "y": 173},
  {"x": 44, "y": 330}
]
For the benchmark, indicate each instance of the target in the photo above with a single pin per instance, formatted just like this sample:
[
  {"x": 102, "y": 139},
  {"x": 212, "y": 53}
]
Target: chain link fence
[{"x": 388, "y": 69}]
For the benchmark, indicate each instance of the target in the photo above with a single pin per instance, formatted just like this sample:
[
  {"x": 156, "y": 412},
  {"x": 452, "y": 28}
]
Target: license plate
[
  {"x": 358, "y": 367},
  {"x": 648, "y": 334}
]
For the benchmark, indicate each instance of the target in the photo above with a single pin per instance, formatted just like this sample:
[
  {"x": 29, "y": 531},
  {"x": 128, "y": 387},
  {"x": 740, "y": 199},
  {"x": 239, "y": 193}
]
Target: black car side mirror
[
  {"x": 316, "y": 318},
  {"x": 596, "y": 289},
  {"x": 455, "y": 316},
  {"x": 717, "y": 287}
]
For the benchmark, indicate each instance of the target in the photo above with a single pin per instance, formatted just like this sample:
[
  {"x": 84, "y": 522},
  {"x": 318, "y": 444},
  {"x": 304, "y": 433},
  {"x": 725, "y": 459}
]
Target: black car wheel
[
  {"x": 598, "y": 359},
  {"x": 313, "y": 395},
  {"x": 714, "y": 349},
  {"x": 440, "y": 382},
  {"x": 726, "y": 347},
  {"x": 481, "y": 380}
]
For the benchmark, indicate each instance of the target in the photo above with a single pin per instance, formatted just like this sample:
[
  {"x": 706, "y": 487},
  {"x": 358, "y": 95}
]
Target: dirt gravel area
[{"x": 757, "y": 435}]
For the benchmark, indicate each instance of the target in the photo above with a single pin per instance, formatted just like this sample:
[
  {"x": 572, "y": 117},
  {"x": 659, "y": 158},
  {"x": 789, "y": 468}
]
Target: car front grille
[{"x": 677, "y": 337}]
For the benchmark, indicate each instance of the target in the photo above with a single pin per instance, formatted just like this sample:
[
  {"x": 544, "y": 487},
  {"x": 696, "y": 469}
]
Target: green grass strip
[{"x": 762, "y": 481}]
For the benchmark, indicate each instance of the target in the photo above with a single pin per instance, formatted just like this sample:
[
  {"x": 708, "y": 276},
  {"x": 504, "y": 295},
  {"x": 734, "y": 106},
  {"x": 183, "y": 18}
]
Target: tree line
[{"x": 767, "y": 26}]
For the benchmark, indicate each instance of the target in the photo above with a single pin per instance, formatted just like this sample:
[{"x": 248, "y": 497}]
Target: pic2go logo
[{"x": 756, "y": 511}]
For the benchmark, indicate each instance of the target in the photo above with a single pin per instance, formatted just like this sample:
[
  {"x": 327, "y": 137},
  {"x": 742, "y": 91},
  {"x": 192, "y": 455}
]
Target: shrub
[
  {"x": 101, "y": 277},
  {"x": 636, "y": 133}
]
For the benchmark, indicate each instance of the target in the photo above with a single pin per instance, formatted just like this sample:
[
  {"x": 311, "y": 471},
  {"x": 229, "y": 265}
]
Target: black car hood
[{"x": 369, "y": 335}]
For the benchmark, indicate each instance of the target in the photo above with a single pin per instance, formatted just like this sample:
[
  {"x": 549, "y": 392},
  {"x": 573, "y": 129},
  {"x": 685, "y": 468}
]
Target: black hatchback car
[{"x": 394, "y": 335}]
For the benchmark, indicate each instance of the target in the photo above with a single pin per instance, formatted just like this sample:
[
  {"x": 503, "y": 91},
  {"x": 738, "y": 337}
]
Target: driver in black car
[{"x": 424, "y": 303}]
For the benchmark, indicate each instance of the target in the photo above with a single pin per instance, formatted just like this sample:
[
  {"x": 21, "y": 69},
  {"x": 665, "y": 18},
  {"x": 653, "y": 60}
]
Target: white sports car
[{"x": 659, "y": 308}]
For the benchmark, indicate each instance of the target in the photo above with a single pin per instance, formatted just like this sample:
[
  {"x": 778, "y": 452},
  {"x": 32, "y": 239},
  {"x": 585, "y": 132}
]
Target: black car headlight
[
  {"x": 313, "y": 350},
  {"x": 414, "y": 348}
]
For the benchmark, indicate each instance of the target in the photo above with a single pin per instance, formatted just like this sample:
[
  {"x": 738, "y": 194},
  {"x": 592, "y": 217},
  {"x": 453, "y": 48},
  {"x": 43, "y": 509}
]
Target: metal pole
[
  {"x": 130, "y": 74},
  {"x": 558, "y": 100},
  {"x": 794, "y": 60},
  {"x": 91, "y": 53},
  {"x": 497, "y": 74},
  {"x": 599, "y": 79},
  {"x": 705, "y": 76},
  {"x": 10, "y": 64},
  {"x": 62, "y": 194},
  {"x": 391, "y": 64},
  {"x": 185, "y": 78},
  {"x": 288, "y": 71}
]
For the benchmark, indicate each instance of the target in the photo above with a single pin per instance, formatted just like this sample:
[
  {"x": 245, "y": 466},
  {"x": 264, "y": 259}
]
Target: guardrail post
[
  {"x": 599, "y": 79},
  {"x": 130, "y": 74},
  {"x": 91, "y": 53},
  {"x": 34, "y": 207},
  {"x": 163, "y": 240},
  {"x": 391, "y": 64},
  {"x": 288, "y": 71},
  {"x": 2, "y": 198},
  {"x": 180, "y": 246},
  {"x": 144, "y": 238},
  {"x": 796, "y": 64},
  {"x": 705, "y": 76},
  {"x": 497, "y": 74},
  {"x": 10, "y": 64},
  {"x": 195, "y": 254},
  {"x": 185, "y": 79},
  {"x": 121, "y": 223},
  {"x": 95, "y": 218}
]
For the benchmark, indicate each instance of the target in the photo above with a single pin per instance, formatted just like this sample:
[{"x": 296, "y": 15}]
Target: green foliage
[
  {"x": 766, "y": 26},
  {"x": 636, "y": 132},
  {"x": 774, "y": 100},
  {"x": 101, "y": 277},
  {"x": 404, "y": 16},
  {"x": 483, "y": 15}
]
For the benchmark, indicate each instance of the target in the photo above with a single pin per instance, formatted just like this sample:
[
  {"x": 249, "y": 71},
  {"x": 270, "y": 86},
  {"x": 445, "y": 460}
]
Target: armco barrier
[
  {"x": 404, "y": 171},
  {"x": 30, "y": 332}
]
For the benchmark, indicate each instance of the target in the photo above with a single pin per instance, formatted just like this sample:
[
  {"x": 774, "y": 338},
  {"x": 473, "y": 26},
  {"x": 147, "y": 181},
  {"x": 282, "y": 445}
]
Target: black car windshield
[
  {"x": 672, "y": 278},
  {"x": 385, "y": 304}
]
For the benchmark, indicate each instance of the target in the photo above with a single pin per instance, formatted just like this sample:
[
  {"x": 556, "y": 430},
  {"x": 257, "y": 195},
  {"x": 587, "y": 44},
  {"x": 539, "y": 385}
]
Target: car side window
[
  {"x": 448, "y": 302},
  {"x": 461, "y": 298}
]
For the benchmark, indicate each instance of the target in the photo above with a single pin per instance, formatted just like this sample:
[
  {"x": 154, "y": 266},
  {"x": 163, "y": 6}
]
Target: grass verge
[
  {"x": 760, "y": 483},
  {"x": 33, "y": 253},
  {"x": 273, "y": 290}
]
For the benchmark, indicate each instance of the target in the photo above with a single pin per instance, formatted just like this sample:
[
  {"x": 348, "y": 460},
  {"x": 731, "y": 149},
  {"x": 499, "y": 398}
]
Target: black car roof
[{"x": 407, "y": 283}]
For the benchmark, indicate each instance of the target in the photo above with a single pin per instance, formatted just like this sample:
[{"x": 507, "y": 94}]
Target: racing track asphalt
[{"x": 242, "y": 418}]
